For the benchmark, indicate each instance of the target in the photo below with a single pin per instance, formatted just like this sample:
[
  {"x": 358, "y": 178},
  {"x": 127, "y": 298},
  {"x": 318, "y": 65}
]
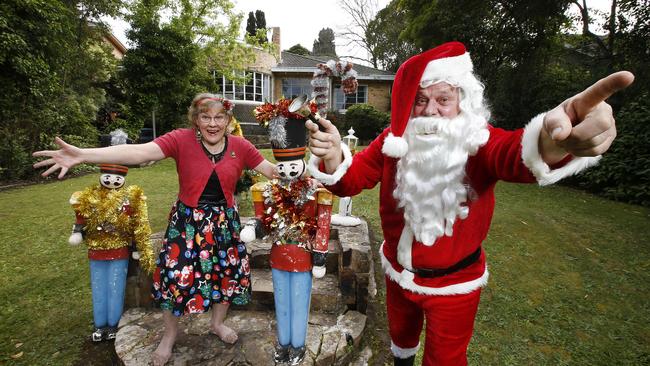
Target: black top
[{"x": 213, "y": 193}]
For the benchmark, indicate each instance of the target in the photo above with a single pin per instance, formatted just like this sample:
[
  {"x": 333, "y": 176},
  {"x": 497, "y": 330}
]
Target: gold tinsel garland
[
  {"x": 107, "y": 226},
  {"x": 284, "y": 218}
]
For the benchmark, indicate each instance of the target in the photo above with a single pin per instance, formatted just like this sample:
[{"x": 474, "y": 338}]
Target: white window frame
[
  {"x": 256, "y": 89},
  {"x": 338, "y": 93},
  {"x": 304, "y": 89}
]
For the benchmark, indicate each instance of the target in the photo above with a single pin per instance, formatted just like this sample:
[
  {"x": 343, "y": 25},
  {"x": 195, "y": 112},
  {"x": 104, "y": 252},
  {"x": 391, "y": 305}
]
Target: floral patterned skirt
[{"x": 201, "y": 261}]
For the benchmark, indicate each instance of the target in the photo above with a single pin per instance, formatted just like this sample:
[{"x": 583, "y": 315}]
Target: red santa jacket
[{"x": 499, "y": 159}]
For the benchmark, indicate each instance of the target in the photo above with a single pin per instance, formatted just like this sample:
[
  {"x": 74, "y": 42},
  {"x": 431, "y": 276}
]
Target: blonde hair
[{"x": 203, "y": 102}]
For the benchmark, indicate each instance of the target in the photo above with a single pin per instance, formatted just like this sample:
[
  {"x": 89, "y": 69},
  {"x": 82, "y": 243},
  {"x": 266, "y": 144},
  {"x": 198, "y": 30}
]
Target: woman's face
[{"x": 213, "y": 124}]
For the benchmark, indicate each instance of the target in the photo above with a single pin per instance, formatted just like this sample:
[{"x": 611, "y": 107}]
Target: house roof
[{"x": 292, "y": 62}]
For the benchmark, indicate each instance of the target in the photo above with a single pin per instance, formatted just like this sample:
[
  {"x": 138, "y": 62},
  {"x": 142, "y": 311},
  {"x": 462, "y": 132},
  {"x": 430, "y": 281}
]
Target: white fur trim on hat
[
  {"x": 330, "y": 179},
  {"x": 406, "y": 280},
  {"x": 394, "y": 146},
  {"x": 400, "y": 352},
  {"x": 533, "y": 160},
  {"x": 445, "y": 69}
]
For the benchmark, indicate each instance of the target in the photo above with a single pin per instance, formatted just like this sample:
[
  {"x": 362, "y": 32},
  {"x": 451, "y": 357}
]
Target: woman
[{"x": 202, "y": 261}]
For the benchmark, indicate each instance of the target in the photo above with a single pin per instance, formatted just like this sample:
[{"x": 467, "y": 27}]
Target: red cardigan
[{"x": 194, "y": 167}]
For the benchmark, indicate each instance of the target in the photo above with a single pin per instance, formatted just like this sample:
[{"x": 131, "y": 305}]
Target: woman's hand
[{"x": 65, "y": 158}]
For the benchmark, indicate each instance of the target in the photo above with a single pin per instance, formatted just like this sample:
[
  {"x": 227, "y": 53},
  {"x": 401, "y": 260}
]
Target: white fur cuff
[
  {"x": 533, "y": 160},
  {"x": 330, "y": 179},
  {"x": 403, "y": 352}
]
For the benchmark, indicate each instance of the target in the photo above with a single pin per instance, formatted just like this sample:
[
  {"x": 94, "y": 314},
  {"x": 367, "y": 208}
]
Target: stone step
[
  {"x": 331, "y": 338},
  {"x": 325, "y": 294}
]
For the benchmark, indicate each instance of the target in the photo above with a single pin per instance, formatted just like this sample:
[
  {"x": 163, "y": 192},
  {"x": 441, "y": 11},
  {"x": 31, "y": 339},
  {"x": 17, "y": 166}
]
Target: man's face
[{"x": 437, "y": 100}]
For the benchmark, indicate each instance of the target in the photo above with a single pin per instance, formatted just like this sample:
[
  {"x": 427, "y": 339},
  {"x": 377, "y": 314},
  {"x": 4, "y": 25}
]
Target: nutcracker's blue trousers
[
  {"x": 108, "y": 281},
  {"x": 292, "y": 293}
]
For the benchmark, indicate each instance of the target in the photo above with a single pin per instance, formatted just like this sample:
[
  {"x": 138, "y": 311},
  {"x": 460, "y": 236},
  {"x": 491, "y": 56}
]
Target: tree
[
  {"x": 298, "y": 49},
  {"x": 53, "y": 63},
  {"x": 383, "y": 36},
  {"x": 173, "y": 60},
  {"x": 324, "y": 45},
  {"x": 256, "y": 26},
  {"x": 361, "y": 14},
  {"x": 251, "y": 26},
  {"x": 260, "y": 25}
]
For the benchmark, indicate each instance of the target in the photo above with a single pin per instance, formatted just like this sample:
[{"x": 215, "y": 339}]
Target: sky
[{"x": 300, "y": 21}]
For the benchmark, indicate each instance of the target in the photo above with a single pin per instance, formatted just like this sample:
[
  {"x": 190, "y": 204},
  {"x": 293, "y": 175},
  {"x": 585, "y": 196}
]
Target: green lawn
[{"x": 569, "y": 274}]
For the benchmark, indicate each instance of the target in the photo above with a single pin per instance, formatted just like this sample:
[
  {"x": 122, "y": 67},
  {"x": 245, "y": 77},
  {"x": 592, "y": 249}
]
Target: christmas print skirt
[{"x": 201, "y": 261}]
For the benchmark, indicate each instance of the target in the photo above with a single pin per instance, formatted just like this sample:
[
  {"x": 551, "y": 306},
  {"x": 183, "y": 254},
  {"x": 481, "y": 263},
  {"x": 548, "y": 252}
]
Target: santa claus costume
[{"x": 437, "y": 180}]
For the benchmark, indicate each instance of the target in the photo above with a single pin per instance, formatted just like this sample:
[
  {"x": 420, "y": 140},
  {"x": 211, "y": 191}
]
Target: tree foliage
[
  {"x": 256, "y": 26},
  {"x": 383, "y": 36},
  {"x": 298, "y": 49},
  {"x": 53, "y": 62},
  {"x": 174, "y": 59},
  {"x": 324, "y": 45}
]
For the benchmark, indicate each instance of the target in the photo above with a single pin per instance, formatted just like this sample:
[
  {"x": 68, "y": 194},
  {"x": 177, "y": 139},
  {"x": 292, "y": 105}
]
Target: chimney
[{"x": 275, "y": 38}]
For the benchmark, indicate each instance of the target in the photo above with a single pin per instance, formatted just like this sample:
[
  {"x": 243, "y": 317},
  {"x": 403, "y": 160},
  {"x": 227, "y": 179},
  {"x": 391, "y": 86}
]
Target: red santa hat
[{"x": 448, "y": 62}]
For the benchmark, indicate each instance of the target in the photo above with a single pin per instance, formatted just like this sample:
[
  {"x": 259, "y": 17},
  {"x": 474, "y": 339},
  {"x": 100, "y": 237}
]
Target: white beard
[{"x": 430, "y": 176}]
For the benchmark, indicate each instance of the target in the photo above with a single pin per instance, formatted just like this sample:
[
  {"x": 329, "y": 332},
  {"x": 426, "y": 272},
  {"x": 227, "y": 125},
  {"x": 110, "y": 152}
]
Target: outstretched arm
[
  {"x": 68, "y": 156},
  {"x": 582, "y": 125}
]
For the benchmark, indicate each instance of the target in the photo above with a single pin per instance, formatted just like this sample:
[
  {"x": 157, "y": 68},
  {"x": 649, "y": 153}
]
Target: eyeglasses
[{"x": 219, "y": 118}]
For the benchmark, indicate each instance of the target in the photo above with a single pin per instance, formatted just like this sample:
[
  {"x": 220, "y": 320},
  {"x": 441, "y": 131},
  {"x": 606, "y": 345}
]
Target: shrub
[{"x": 367, "y": 122}]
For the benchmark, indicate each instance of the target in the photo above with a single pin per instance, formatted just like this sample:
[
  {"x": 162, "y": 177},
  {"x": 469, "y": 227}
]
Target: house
[{"x": 289, "y": 75}]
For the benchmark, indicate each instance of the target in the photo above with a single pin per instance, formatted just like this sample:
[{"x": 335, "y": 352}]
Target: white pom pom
[
  {"x": 318, "y": 272},
  {"x": 75, "y": 239},
  {"x": 247, "y": 234},
  {"x": 135, "y": 255},
  {"x": 395, "y": 147}
]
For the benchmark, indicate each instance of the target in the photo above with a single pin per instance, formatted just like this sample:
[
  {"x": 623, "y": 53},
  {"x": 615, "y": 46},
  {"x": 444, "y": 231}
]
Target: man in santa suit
[{"x": 438, "y": 164}]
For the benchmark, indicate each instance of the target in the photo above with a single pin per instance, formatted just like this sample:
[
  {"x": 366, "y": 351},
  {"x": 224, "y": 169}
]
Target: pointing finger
[{"x": 600, "y": 91}]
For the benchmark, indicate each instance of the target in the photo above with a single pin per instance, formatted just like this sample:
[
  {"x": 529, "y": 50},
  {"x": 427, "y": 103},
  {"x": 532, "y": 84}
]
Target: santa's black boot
[{"x": 403, "y": 361}]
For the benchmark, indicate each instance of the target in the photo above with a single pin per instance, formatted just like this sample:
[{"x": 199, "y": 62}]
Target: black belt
[{"x": 439, "y": 272}]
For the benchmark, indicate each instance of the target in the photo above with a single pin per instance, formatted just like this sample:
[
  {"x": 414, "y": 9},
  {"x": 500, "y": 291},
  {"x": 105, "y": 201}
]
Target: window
[
  {"x": 293, "y": 87},
  {"x": 257, "y": 87},
  {"x": 343, "y": 102}
]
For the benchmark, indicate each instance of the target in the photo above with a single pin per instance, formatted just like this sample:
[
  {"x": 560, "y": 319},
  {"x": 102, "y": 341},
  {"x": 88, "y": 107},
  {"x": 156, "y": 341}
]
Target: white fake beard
[{"x": 430, "y": 176}]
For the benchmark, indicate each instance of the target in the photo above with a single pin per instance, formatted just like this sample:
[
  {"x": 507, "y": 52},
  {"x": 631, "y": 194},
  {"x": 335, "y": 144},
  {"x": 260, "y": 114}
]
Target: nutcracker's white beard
[{"x": 430, "y": 177}]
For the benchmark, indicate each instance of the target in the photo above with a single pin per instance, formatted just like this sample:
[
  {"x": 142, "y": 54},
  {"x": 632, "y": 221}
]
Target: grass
[{"x": 568, "y": 285}]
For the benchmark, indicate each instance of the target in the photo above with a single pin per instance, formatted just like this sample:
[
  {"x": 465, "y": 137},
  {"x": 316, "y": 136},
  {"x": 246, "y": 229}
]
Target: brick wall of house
[{"x": 378, "y": 94}]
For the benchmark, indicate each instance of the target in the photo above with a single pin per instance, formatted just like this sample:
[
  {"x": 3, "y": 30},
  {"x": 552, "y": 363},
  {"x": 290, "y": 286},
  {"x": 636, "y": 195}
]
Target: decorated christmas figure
[
  {"x": 295, "y": 215},
  {"x": 112, "y": 221}
]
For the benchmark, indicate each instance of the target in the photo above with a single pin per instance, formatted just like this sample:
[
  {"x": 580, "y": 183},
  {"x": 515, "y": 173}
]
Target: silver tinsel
[{"x": 277, "y": 133}]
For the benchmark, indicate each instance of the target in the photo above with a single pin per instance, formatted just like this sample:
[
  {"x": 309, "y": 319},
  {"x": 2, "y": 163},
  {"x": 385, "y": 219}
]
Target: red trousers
[{"x": 449, "y": 324}]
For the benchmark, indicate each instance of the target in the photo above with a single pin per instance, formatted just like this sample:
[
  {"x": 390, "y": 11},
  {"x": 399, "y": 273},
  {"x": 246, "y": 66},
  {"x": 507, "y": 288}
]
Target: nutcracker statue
[
  {"x": 111, "y": 219},
  {"x": 295, "y": 215}
]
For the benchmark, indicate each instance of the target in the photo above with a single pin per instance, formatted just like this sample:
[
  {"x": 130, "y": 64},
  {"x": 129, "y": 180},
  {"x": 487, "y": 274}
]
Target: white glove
[
  {"x": 318, "y": 272},
  {"x": 247, "y": 234},
  {"x": 75, "y": 239},
  {"x": 135, "y": 255}
]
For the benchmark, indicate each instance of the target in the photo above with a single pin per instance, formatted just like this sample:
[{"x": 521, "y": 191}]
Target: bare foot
[
  {"x": 163, "y": 353},
  {"x": 225, "y": 333}
]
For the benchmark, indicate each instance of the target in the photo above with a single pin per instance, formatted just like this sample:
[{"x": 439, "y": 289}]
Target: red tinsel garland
[{"x": 285, "y": 218}]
